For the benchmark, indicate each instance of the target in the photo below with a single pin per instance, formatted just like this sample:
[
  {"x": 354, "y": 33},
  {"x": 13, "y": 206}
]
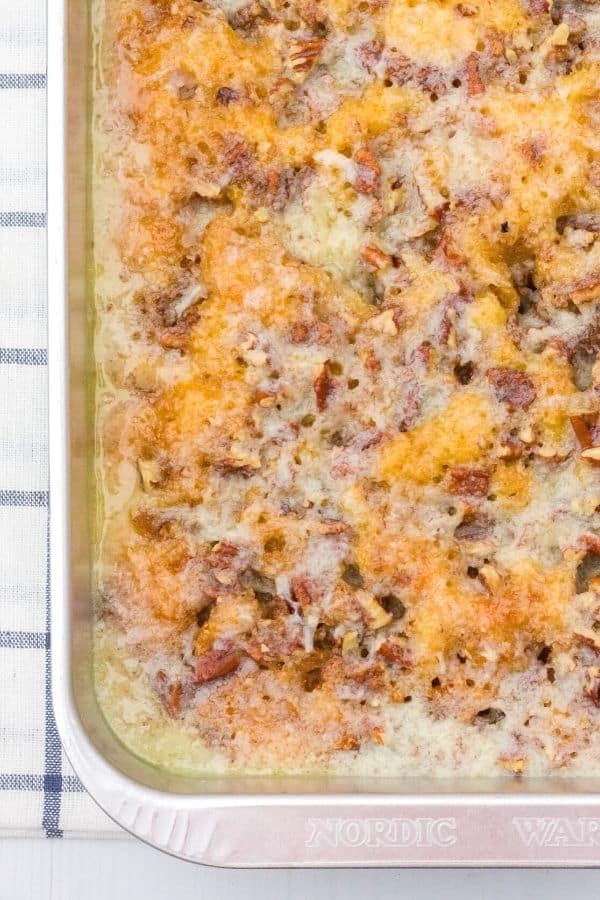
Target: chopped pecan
[
  {"x": 174, "y": 339},
  {"x": 374, "y": 258},
  {"x": 588, "y": 639},
  {"x": 585, "y": 290},
  {"x": 475, "y": 85},
  {"x": 222, "y": 555},
  {"x": 369, "y": 54},
  {"x": 244, "y": 18},
  {"x": 591, "y": 455},
  {"x": 592, "y": 685},
  {"x": 466, "y": 9},
  {"x": 273, "y": 181},
  {"x": 312, "y": 679},
  {"x": 311, "y": 12},
  {"x": 392, "y": 604},
  {"x": 395, "y": 653},
  {"x": 512, "y": 387},
  {"x": 533, "y": 151},
  {"x": 351, "y": 575},
  {"x": 150, "y": 523},
  {"x": 422, "y": 357},
  {"x": 329, "y": 526},
  {"x": 576, "y": 24},
  {"x": 226, "y": 95},
  {"x": 291, "y": 184},
  {"x": 446, "y": 333},
  {"x": 378, "y": 735},
  {"x": 371, "y": 675},
  {"x": 215, "y": 664},
  {"x": 323, "y": 387},
  {"x": 469, "y": 481},
  {"x": 551, "y": 454},
  {"x": 177, "y": 337},
  {"x": 447, "y": 253},
  {"x": 302, "y": 592},
  {"x": 259, "y": 583},
  {"x": 371, "y": 362},
  {"x": 413, "y": 401},
  {"x": 170, "y": 693},
  {"x": 368, "y": 172},
  {"x": 368, "y": 438},
  {"x": 581, "y": 426},
  {"x": 187, "y": 91},
  {"x": 240, "y": 463},
  {"x": 303, "y": 56},
  {"x": 373, "y": 613},
  {"x": 300, "y": 333},
  {"x": 376, "y": 215},
  {"x": 348, "y": 741},
  {"x": 589, "y": 542},
  {"x": 510, "y": 447},
  {"x": 184, "y": 84},
  {"x": 539, "y": 7},
  {"x": 237, "y": 157},
  {"x": 464, "y": 372},
  {"x": 491, "y": 715},
  {"x": 266, "y": 399},
  {"x": 403, "y": 70}
]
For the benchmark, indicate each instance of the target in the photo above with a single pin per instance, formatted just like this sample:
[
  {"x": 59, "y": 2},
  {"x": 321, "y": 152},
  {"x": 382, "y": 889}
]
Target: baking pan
[{"x": 258, "y": 821}]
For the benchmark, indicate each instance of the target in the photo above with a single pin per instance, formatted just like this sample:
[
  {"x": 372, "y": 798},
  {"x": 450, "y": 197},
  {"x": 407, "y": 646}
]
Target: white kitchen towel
[{"x": 39, "y": 793}]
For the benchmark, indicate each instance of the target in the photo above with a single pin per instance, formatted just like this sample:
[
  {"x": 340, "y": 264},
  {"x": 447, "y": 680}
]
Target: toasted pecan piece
[
  {"x": 176, "y": 338},
  {"x": 329, "y": 526},
  {"x": 222, "y": 555},
  {"x": 510, "y": 447},
  {"x": 581, "y": 426},
  {"x": 512, "y": 386},
  {"x": 592, "y": 685},
  {"x": 394, "y": 652},
  {"x": 369, "y": 54},
  {"x": 323, "y": 387},
  {"x": 586, "y": 289},
  {"x": 170, "y": 692},
  {"x": 215, "y": 664},
  {"x": 303, "y": 55},
  {"x": 302, "y": 592},
  {"x": 475, "y": 85},
  {"x": 368, "y": 171},
  {"x": 300, "y": 333},
  {"x": 591, "y": 455},
  {"x": 226, "y": 95},
  {"x": 579, "y": 221},
  {"x": 374, "y": 258},
  {"x": 468, "y": 481}
]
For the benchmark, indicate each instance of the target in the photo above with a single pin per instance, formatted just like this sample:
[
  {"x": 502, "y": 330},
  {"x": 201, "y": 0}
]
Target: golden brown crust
[{"x": 348, "y": 333}]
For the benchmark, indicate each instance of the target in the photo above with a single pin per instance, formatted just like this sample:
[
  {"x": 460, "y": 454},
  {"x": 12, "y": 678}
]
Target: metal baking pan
[{"x": 258, "y": 821}]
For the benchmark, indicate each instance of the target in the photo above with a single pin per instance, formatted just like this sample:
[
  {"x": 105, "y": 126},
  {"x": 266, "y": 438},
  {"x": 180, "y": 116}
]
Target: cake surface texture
[{"x": 347, "y": 276}]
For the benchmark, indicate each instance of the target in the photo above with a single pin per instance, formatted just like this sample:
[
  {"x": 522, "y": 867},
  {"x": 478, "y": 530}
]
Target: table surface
[{"x": 38, "y": 869}]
